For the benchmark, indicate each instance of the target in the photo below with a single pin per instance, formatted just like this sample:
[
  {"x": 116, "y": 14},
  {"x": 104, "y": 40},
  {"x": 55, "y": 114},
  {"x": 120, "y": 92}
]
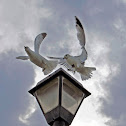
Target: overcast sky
[{"x": 104, "y": 22}]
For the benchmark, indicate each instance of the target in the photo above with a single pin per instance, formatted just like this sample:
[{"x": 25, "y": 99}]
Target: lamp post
[{"x": 59, "y": 96}]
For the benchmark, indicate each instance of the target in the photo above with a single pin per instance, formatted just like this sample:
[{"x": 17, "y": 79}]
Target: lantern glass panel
[
  {"x": 48, "y": 95},
  {"x": 71, "y": 96}
]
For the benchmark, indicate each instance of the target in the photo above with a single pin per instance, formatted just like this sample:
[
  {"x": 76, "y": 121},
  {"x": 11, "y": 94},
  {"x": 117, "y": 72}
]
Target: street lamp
[{"x": 59, "y": 96}]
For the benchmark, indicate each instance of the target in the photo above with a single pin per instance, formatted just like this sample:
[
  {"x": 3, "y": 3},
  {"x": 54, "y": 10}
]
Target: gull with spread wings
[
  {"x": 34, "y": 56},
  {"x": 76, "y": 63}
]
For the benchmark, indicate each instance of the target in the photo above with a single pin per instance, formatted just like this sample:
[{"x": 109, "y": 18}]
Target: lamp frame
[{"x": 59, "y": 113}]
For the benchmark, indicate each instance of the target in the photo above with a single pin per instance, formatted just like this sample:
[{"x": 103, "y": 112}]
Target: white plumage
[
  {"x": 34, "y": 56},
  {"x": 76, "y": 63}
]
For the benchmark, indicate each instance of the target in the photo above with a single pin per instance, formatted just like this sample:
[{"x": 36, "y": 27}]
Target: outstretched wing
[
  {"x": 38, "y": 41},
  {"x": 23, "y": 57},
  {"x": 50, "y": 67},
  {"x": 60, "y": 59},
  {"x": 83, "y": 56},
  {"x": 80, "y": 32},
  {"x": 63, "y": 62},
  {"x": 57, "y": 58}
]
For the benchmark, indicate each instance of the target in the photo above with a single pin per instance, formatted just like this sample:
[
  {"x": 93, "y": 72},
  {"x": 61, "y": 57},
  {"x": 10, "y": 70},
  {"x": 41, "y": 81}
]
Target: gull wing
[
  {"x": 63, "y": 62},
  {"x": 80, "y": 32},
  {"x": 38, "y": 41},
  {"x": 83, "y": 56},
  {"x": 57, "y": 58},
  {"x": 50, "y": 67},
  {"x": 23, "y": 57}
]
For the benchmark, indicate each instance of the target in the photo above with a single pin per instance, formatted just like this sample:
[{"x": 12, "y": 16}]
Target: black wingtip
[
  {"x": 44, "y": 35},
  {"x": 78, "y": 22}
]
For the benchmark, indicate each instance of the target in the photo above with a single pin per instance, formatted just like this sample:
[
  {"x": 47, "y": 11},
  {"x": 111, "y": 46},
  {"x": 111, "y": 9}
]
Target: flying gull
[
  {"x": 76, "y": 63},
  {"x": 34, "y": 56}
]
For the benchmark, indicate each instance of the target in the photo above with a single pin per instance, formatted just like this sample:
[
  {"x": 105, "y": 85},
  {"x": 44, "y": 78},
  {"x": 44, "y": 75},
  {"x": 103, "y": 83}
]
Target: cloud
[
  {"x": 30, "y": 110},
  {"x": 104, "y": 24},
  {"x": 20, "y": 19},
  {"x": 15, "y": 78},
  {"x": 19, "y": 26},
  {"x": 112, "y": 68}
]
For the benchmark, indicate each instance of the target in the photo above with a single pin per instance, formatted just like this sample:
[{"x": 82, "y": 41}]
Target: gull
[
  {"x": 34, "y": 56},
  {"x": 76, "y": 63}
]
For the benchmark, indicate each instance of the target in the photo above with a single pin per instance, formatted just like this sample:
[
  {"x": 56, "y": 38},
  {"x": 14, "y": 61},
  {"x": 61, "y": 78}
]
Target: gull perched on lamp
[
  {"x": 76, "y": 63},
  {"x": 34, "y": 56}
]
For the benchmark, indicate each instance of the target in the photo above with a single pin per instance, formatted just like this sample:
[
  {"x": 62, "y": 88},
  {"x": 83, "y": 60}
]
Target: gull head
[
  {"x": 26, "y": 48},
  {"x": 66, "y": 56}
]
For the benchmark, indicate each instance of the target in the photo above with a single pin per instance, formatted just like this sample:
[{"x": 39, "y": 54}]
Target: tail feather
[
  {"x": 86, "y": 72},
  {"x": 83, "y": 77},
  {"x": 50, "y": 68}
]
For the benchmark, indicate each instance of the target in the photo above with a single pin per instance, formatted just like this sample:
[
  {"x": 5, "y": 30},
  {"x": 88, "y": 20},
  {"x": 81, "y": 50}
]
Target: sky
[{"x": 104, "y": 22}]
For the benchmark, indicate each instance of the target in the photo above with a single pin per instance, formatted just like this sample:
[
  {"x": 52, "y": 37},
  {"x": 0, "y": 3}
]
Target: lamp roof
[{"x": 59, "y": 72}]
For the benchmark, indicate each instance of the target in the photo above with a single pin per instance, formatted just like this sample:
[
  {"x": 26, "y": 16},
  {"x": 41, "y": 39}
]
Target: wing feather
[
  {"x": 83, "y": 56},
  {"x": 57, "y": 58},
  {"x": 38, "y": 41},
  {"x": 23, "y": 57},
  {"x": 63, "y": 62},
  {"x": 80, "y": 32}
]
